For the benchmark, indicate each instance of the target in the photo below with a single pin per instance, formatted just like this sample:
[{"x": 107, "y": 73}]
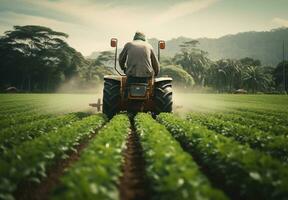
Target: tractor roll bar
[
  {"x": 114, "y": 43},
  {"x": 161, "y": 45}
]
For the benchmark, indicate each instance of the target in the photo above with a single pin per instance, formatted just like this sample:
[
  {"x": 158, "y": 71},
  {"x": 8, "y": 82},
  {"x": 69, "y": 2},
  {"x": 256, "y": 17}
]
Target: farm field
[{"x": 53, "y": 146}]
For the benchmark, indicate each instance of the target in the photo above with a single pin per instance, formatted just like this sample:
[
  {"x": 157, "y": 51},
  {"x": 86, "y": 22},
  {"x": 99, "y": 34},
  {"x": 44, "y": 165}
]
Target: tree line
[
  {"x": 38, "y": 59},
  {"x": 228, "y": 75}
]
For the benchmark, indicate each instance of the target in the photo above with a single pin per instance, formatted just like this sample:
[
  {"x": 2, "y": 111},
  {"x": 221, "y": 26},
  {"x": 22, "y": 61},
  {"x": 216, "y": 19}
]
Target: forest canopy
[{"x": 37, "y": 58}]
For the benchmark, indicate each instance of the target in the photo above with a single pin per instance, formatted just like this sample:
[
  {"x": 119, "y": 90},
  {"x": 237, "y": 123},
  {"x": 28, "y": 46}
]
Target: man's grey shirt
[{"x": 140, "y": 59}]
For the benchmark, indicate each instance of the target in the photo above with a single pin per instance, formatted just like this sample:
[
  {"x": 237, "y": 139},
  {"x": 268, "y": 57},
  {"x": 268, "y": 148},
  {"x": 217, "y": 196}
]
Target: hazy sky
[{"x": 91, "y": 23}]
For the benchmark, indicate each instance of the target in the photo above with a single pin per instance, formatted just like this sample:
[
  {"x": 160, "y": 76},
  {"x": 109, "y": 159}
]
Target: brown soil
[
  {"x": 133, "y": 183},
  {"x": 32, "y": 191}
]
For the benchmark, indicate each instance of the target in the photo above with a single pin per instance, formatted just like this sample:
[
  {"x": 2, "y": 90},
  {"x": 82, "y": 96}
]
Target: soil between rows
[
  {"x": 133, "y": 183},
  {"x": 33, "y": 191}
]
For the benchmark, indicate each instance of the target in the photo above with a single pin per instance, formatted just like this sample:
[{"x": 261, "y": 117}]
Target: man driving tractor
[
  {"x": 140, "y": 59},
  {"x": 138, "y": 90}
]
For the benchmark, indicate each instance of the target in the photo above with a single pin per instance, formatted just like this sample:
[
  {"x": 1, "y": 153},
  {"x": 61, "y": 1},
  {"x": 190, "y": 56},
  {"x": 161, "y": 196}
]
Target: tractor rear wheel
[
  {"x": 163, "y": 96},
  {"x": 111, "y": 97}
]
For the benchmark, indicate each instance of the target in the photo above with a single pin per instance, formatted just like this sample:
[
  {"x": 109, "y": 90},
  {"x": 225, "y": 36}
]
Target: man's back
[{"x": 140, "y": 59}]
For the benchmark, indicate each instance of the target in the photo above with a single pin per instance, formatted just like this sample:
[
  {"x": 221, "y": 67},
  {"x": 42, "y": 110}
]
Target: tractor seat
[{"x": 131, "y": 79}]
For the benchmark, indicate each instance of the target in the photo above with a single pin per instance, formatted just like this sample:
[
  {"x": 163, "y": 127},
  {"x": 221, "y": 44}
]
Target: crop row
[
  {"x": 262, "y": 116},
  {"x": 15, "y": 135},
  {"x": 264, "y": 141},
  {"x": 96, "y": 174},
  {"x": 36, "y": 114},
  {"x": 246, "y": 120},
  {"x": 9, "y": 99},
  {"x": 12, "y": 105},
  {"x": 242, "y": 171},
  {"x": 17, "y": 108},
  {"x": 15, "y": 113},
  {"x": 271, "y": 115},
  {"x": 30, "y": 161},
  {"x": 41, "y": 105},
  {"x": 172, "y": 172},
  {"x": 23, "y": 118}
]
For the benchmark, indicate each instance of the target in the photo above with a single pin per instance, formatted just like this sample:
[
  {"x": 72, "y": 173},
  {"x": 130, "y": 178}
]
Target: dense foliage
[
  {"x": 30, "y": 160},
  {"x": 227, "y": 75},
  {"x": 244, "y": 172},
  {"x": 194, "y": 61},
  {"x": 264, "y": 141},
  {"x": 13, "y": 136},
  {"x": 224, "y": 75},
  {"x": 265, "y": 122},
  {"x": 37, "y": 58},
  {"x": 95, "y": 175},
  {"x": 162, "y": 150},
  {"x": 180, "y": 77},
  {"x": 279, "y": 75}
]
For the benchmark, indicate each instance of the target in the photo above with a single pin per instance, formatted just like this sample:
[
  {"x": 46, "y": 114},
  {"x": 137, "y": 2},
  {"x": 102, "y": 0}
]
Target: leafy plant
[
  {"x": 95, "y": 175},
  {"x": 30, "y": 161},
  {"x": 13, "y": 136},
  {"x": 264, "y": 141},
  {"x": 173, "y": 173},
  {"x": 244, "y": 172},
  {"x": 252, "y": 120}
]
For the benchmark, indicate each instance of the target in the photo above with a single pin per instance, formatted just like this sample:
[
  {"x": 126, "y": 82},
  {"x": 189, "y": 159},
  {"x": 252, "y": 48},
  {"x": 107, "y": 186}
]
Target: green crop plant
[
  {"x": 31, "y": 160},
  {"x": 251, "y": 121},
  {"x": 172, "y": 172},
  {"x": 264, "y": 141},
  {"x": 96, "y": 174},
  {"x": 244, "y": 172},
  {"x": 13, "y": 136}
]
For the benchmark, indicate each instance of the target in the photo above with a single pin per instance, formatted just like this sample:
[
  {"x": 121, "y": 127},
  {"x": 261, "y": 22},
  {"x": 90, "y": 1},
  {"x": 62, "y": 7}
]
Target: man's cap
[{"x": 139, "y": 36}]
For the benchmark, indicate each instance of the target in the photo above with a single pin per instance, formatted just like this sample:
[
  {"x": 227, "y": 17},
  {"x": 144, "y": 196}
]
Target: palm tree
[
  {"x": 216, "y": 77},
  {"x": 278, "y": 74},
  {"x": 225, "y": 74},
  {"x": 194, "y": 61},
  {"x": 255, "y": 78}
]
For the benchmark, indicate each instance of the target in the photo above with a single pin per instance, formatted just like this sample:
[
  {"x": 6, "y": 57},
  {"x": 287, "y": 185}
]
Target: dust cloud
[
  {"x": 184, "y": 102},
  {"x": 75, "y": 96},
  {"x": 76, "y": 86}
]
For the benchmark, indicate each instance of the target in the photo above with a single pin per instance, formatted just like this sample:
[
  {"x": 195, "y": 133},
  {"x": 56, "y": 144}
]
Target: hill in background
[{"x": 265, "y": 46}]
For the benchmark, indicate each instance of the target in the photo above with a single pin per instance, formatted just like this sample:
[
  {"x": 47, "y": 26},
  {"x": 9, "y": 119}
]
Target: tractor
[{"x": 140, "y": 95}]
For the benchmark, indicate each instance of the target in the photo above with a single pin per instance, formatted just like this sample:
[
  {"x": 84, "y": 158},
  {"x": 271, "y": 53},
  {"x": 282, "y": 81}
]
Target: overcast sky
[{"x": 91, "y": 23}]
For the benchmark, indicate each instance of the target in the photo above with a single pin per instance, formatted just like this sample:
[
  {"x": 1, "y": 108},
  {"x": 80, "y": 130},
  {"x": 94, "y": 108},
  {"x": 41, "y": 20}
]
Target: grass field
[{"x": 53, "y": 146}]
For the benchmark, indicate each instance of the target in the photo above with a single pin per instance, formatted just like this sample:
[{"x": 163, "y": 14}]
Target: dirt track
[
  {"x": 133, "y": 183},
  {"x": 31, "y": 191}
]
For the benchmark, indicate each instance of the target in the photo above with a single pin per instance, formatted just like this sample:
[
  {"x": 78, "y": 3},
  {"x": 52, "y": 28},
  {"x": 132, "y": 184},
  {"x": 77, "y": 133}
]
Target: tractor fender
[
  {"x": 163, "y": 79},
  {"x": 119, "y": 78},
  {"x": 113, "y": 77}
]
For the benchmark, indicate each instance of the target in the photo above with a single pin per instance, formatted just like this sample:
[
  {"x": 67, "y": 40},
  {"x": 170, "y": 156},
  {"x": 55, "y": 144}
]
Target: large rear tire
[
  {"x": 163, "y": 96},
  {"x": 111, "y": 97}
]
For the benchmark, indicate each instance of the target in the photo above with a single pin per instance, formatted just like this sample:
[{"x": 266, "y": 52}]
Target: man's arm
[
  {"x": 123, "y": 57},
  {"x": 155, "y": 63}
]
